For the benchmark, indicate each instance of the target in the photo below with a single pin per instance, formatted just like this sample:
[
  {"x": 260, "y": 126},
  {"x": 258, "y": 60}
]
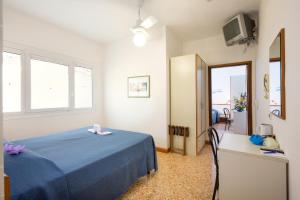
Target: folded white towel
[
  {"x": 103, "y": 133},
  {"x": 97, "y": 129},
  {"x": 92, "y": 130}
]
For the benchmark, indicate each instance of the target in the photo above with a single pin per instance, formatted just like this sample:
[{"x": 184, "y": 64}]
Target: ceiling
[{"x": 108, "y": 20}]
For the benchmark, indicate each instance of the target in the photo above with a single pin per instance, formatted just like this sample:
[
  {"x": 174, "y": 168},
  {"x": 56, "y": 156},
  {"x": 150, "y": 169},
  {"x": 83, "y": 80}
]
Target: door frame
[{"x": 249, "y": 90}]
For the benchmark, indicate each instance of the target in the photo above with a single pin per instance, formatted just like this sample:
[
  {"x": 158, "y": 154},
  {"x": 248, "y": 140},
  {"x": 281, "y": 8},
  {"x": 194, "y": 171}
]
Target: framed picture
[{"x": 139, "y": 87}]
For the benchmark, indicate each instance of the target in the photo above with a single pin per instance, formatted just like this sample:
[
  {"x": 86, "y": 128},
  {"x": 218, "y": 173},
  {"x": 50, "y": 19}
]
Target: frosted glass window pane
[
  {"x": 49, "y": 85},
  {"x": 11, "y": 82},
  {"x": 83, "y": 88}
]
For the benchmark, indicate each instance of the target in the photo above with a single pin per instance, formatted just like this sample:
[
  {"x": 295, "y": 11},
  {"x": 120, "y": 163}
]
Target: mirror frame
[{"x": 282, "y": 77}]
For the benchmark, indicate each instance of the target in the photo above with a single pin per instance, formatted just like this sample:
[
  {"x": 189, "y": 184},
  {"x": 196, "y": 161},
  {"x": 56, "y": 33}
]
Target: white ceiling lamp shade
[{"x": 140, "y": 34}]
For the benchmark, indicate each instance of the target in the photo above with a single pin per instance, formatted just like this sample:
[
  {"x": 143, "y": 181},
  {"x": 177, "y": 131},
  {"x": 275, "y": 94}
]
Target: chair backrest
[
  {"x": 214, "y": 143},
  {"x": 276, "y": 112},
  {"x": 226, "y": 113}
]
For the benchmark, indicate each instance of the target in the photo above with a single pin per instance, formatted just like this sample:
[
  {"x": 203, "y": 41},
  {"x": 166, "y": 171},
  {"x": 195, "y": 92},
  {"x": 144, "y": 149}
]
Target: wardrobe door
[
  {"x": 203, "y": 97},
  {"x": 201, "y": 104},
  {"x": 183, "y": 99}
]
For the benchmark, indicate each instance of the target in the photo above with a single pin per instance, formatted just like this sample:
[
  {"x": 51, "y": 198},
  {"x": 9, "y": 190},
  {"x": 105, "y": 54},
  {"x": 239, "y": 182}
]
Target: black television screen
[{"x": 232, "y": 29}]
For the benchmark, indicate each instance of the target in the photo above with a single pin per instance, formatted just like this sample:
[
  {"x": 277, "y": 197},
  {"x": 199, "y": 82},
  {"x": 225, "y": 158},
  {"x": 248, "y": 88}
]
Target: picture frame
[{"x": 138, "y": 86}]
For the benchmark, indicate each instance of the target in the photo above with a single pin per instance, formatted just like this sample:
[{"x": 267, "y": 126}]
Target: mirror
[{"x": 277, "y": 76}]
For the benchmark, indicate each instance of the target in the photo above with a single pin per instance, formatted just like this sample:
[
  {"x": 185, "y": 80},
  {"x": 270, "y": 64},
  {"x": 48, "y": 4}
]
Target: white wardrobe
[{"x": 188, "y": 100}]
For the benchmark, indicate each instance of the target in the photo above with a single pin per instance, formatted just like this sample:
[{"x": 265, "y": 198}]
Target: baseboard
[{"x": 163, "y": 150}]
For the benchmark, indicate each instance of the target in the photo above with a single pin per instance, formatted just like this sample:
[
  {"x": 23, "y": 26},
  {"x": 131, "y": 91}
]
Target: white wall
[
  {"x": 1, "y": 129},
  {"x": 174, "y": 45},
  {"x": 28, "y": 32},
  {"x": 214, "y": 51},
  {"x": 274, "y": 15},
  {"x": 173, "y": 48},
  {"x": 122, "y": 60}
]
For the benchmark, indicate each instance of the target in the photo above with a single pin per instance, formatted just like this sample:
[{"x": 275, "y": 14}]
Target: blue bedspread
[
  {"x": 82, "y": 165},
  {"x": 215, "y": 117},
  {"x": 35, "y": 177}
]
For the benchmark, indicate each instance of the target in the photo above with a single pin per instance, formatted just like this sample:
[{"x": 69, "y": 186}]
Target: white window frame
[
  {"x": 23, "y": 88},
  {"x": 28, "y": 53},
  {"x": 93, "y": 84}
]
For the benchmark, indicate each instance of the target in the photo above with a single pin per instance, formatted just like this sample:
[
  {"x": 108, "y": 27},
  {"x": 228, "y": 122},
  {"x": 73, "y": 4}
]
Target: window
[
  {"x": 83, "y": 87},
  {"x": 49, "y": 85},
  {"x": 11, "y": 82},
  {"x": 34, "y": 83}
]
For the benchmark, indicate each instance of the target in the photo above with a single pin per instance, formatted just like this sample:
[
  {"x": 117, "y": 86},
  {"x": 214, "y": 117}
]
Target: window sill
[{"x": 44, "y": 114}]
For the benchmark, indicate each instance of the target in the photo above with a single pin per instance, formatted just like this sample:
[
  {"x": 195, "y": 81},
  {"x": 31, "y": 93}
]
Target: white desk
[{"x": 247, "y": 174}]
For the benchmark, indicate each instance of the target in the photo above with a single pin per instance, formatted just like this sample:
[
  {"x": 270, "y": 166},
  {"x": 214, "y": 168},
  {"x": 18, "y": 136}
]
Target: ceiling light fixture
[{"x": 140, "y": 35}]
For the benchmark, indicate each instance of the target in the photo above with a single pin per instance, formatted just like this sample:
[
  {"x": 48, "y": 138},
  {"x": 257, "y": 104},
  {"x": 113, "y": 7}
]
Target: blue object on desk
[{"x": 257, "y": 139}]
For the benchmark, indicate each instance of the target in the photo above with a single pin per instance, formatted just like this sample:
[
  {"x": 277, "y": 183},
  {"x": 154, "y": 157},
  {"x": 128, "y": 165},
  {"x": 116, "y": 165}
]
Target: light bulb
[{"x": 139, "y": 38}]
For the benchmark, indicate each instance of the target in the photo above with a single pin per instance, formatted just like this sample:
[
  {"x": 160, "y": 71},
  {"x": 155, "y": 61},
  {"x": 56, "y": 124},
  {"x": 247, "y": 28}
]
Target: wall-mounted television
[{"x": 239, "y": 29}]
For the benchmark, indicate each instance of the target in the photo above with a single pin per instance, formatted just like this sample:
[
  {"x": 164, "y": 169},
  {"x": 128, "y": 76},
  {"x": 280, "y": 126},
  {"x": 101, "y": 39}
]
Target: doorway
[{"x": 230, "y": 97}]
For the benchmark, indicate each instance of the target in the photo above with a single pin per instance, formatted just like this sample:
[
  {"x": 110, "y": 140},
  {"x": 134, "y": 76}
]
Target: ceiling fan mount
[{"x": 141, "y": 26}]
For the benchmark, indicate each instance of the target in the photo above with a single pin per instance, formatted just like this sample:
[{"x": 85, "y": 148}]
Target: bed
[{"x": 80, "y": 165}]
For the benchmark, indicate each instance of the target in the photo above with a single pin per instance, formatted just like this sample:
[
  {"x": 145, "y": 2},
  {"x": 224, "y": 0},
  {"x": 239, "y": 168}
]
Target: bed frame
[{"x": 6, "y": 187}]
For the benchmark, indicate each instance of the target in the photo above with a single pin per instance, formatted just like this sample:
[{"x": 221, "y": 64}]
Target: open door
[{"x": 230, "y": 97}]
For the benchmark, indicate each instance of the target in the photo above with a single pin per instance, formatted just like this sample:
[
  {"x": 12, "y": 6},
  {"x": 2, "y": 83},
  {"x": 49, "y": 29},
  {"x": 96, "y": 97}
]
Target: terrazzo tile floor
[{"x": 178, "y": 177}]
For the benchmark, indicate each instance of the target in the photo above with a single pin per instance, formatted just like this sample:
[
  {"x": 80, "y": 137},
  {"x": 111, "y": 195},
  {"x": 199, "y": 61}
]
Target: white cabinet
[
  {"x": 188, "y": 99},
  {"x": 240, "y": 122},
  {"x": 247, "y": 174}
]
